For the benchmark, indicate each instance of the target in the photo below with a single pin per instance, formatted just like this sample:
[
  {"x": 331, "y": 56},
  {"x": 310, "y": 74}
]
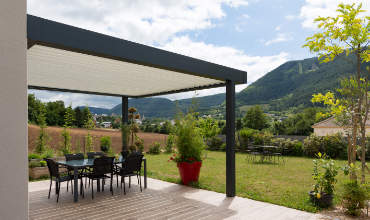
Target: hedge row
[{"x": 335, "y": 146}]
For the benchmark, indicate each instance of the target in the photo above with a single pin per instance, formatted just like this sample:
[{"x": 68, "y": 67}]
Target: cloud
[
  {"x": 290, "y": 17},
  {"x": 256, "y": 66},
  {"x": 139, "y": 21},
  {"x": 277, "y": 28},
  {"x": 281, "y": 37},
  {"x": 315, "y": 8},
  {"x": 76, "y": 99},
  {"x": 246, "y": 16}
]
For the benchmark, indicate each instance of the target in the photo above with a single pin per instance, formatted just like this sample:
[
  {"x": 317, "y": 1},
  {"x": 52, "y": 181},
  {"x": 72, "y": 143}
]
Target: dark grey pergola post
[
  {"x": 124, "y": 118},
  {"x": 230, "y": 138}
]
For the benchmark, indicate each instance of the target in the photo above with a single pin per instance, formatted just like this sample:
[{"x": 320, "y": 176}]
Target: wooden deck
[{"x": 161, "y": 200}]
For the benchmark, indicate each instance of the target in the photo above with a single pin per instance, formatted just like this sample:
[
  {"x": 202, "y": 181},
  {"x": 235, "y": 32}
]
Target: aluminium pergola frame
[{"x": 68, "y": 38}]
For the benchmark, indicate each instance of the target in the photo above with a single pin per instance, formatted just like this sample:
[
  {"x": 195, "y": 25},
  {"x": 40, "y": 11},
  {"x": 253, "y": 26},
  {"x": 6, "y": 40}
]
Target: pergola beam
[
  {"x": 124, "y": 119},
  {"x": 230, "y": 138}
]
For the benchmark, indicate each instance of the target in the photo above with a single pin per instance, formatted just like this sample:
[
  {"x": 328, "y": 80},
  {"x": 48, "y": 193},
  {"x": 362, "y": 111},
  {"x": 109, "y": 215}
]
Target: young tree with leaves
[
  {"x": 89, "y": 125},
  {"x": 347, "y": 33},
  {"x": 134, "y": 128},
  {"x": 68, "y": 122},
  {"x": 41, "y": 144}
]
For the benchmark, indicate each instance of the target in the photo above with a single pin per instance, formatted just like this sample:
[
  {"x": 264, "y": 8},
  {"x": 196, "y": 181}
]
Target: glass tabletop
[{"x": 84, "y": 162}]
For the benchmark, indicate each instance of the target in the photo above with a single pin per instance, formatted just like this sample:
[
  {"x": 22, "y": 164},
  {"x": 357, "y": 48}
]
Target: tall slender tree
[{"x": 347, "y": 33}]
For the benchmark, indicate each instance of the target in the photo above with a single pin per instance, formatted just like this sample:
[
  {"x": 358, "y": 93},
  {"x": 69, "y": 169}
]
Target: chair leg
[
  {"x": 92, "y": 188},
  {"x": 111, "y": 184},
  {"x": 129, "y": 182},
  {"x": 58, "y": 191},
  {"x": 51, "y": 182},
  {"x": 67, "y": 185},
  {"x": 141, "y": 188},
  {"x": 124, "y": 186},
  {"x": 117, "y": 179},
  {"x": 102, "y": 184},
  {"x": 121, "y": 181},
  {"x": 85, "y": 182}
]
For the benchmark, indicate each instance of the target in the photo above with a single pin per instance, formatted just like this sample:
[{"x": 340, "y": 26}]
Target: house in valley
[{"x": 329, "y": 126}]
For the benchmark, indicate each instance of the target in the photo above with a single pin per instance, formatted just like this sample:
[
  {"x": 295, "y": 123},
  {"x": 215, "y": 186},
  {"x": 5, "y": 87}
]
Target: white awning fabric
[{"x": 50, "y": 67}]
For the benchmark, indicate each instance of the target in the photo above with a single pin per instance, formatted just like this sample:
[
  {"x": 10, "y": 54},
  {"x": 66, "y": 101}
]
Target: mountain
[
  {"x": 290, "y": 85},
  {"x": 293, "y": 83}
]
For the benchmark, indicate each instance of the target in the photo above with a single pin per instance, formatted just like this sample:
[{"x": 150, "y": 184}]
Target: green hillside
[
  {"x": 290, "y": 85},
  {"x": 293, "y": 83}
]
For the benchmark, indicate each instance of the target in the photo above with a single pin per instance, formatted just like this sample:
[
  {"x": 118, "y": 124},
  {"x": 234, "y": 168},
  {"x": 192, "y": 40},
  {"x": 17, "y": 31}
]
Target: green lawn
[{"x": 285, "y": 185}]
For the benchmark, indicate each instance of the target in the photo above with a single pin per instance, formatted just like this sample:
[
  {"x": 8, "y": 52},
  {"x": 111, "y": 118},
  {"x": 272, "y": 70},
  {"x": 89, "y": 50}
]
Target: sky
[{"x": 251, "y": 35}]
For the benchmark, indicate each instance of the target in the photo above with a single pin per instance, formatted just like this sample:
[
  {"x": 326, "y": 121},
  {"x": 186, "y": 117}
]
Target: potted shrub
[
  {"x": 189, "y": 144},
  {"x": 324, "y": 173},
  {"x": 105, "y": 144}
]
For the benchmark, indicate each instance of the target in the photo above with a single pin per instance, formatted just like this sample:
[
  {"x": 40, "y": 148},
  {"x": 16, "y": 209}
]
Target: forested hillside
[{"x": 290, "y": 85}]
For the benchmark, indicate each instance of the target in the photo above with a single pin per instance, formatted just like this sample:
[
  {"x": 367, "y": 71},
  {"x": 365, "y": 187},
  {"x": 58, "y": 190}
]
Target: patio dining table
[{"x": 77, "y": 165}]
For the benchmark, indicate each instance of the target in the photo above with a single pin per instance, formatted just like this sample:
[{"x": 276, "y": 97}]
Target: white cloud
[
  {"x": 76, "y": 99},
  {"x": 281, "y": 37},
  {"x": 140, "y": 21},
  {"x": 290, "y": 17},
  {"x": 256, "y": 66},
  {"x": 315, "y": 8},
  {"x": 246, "y": 16},
  {"x": 277, "y": 28}
]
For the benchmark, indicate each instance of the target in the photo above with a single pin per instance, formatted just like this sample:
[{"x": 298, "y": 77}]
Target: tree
[
  {"x": 55, "y": 113},
  {"x": 347, "y": 32},
  {"x": 89, "y": 125},
  {"x": 134, "y": 128},
  {"x": 79, "y": 121},
  {"x": 68, "y": 122},
  {"x": 35, "y": 108},
  {"x": 69, "y": 117},
  {"x": 43, "y": 138},
  {"x": 255, "y": 118}
]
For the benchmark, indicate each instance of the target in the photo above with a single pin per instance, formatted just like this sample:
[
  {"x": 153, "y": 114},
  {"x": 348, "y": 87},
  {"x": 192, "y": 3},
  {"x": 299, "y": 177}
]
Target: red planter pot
[{"x": 189, "y": 172}]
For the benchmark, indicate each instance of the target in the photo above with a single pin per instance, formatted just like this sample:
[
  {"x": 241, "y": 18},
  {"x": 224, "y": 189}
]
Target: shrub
[
  {"x": 332, "y": 145},
  {"x": 43, "y": 163},
  {"x": 313, "y": 145},
  {"x": 246, "y": 136},
  {"x": 354, "y": 197},
  {"x": 170, "y": 143},
  {"x": 105, "y": 144},
  {"x": 34, "y": 156},
  {"x": 48, "y": 153},
  {"x": 139, "y": 143},
  {"x": 189, "y": 141},
  {"x": 215, "y": 143},
  {"x": 223, "y": 147},
  {"x": 291, "y": 148},
  {"x": 34, "y": 164},
  {"x": 335, "y": 146},
  {"x": 155, "y": 148}
]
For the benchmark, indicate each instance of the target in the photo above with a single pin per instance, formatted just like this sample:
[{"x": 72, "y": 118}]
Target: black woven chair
[
  {"x": 101, "y": 168},
  {"x": 131, "y": 167},
  {"x": 55, "y": 175}
]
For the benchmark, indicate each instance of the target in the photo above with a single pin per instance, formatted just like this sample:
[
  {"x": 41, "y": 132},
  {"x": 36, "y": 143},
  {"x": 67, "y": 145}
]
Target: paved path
[{"x": 162, "y": 200}]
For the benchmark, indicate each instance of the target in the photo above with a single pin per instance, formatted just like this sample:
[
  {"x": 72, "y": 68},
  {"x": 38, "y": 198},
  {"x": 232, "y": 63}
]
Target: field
[
  {"x": 287, "y": 185},
  {"x": 78, "y": 135}
]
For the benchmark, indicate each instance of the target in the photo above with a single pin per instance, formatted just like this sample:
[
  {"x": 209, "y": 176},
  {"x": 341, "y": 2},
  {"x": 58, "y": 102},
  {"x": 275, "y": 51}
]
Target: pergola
[{"x": 64, "y": 58}]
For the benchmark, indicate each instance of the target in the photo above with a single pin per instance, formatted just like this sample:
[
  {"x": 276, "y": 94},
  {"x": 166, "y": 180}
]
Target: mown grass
[{"x": 287, "y": 185}]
